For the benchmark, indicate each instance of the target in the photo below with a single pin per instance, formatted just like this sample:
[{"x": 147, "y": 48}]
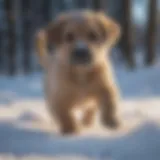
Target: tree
[
  {"x": 11, "y": 33},
  {"x": 151, "y": 35},
  {"x": 47, "y": 10},
  {"x": 82, "y": 3},
  {"x": 126, "y": 42},
  {"x": 26, "y": 20},
  {"x": 99, "y": 4}
]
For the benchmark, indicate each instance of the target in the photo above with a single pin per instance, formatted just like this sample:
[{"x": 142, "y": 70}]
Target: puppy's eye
[
  {"x": 69, "y": 37},
  {"x": 92, "y": 36}
]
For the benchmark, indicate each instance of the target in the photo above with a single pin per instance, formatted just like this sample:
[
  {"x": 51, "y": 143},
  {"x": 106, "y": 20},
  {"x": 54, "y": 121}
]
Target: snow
[{"x": 27, "y": 132}]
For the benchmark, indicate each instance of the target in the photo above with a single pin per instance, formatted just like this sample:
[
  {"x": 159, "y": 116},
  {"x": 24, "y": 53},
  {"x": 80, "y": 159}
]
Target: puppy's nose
[{"x": 81, "y": 54}]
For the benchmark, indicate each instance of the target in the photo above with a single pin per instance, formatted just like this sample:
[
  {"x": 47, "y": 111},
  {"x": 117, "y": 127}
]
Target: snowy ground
[{"x": 26, "y": 131}]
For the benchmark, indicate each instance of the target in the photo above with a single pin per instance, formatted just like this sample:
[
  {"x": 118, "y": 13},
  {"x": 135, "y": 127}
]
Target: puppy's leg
[
  {"x": 108, "y": 103},
  {"x": 89, "y": 116},
  {"x": 67, "y": 121}
]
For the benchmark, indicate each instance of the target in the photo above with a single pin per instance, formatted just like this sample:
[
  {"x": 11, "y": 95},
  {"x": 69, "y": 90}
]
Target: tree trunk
[
  {"x": 1, "y": 53},
  {"x": 61, "y": 5},
  {"x": 99, "y": 4},
  {"x": 1, "y": 37},
  {"x": 37, "y": 7},
  {"x": 126, "y": 42},
  {"x": 26, "y": 33},
  {"x": 47, "y": 8},
  {"x": 10, "y": 17},
  {"x": 82, "y": 3},
  {"x": 151, "y": 35}
]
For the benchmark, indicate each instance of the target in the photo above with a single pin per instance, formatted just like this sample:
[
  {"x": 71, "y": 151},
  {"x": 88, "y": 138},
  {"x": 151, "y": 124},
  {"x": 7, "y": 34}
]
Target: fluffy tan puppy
[{"x": 74, "y": 52}]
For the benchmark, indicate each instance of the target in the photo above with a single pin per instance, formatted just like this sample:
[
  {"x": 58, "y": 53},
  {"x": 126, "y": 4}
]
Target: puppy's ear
[
  {"x": 49, "y": 37},
  {"x": 111, "y": 30},
  {"x": 55, "y": 30},
  {"x": 41, "y": 46}
]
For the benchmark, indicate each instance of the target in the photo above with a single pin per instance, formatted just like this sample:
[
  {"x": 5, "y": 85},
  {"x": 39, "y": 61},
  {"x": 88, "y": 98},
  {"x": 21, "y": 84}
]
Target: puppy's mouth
[{"x": 85, "y": 61}]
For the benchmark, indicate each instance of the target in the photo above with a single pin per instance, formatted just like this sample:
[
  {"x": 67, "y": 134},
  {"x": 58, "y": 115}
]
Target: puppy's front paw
[
  {"x": 112, "y": 123},
  {"x": 70, "y": 130}
]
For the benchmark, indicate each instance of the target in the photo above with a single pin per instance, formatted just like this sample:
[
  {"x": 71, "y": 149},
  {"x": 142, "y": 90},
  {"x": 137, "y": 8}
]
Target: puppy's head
[{"x": 80, "y": 38}]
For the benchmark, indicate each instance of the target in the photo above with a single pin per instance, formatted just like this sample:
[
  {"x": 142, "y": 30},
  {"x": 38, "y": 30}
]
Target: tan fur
[{"x": 68, "y": 86}]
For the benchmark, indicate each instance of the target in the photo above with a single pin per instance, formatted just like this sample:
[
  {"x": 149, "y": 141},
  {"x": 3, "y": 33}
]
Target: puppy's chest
[
  {"x": 84, "y": 87},
  {"x": 83, "y": 80}
]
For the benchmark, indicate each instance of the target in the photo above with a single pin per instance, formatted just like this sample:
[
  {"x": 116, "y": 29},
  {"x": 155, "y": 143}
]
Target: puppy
[{"x": 74, "y": 52}]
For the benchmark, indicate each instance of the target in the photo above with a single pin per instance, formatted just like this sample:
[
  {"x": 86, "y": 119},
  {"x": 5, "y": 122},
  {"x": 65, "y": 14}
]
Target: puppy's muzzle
[{"x": 80, "y": 55}]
